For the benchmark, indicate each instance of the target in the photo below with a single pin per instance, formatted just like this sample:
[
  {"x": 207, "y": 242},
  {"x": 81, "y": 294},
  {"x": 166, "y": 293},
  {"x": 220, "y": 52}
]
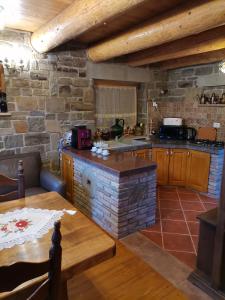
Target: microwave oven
[{"x": 170, "y": 132}]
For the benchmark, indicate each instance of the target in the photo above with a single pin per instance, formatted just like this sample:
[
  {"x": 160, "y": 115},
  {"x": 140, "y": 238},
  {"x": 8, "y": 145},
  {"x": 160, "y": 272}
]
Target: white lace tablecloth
[{"x": 26, "y": 224}]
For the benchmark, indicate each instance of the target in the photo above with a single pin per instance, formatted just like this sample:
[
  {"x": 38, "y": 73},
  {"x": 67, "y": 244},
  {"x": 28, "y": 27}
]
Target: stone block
[
  {"x": 20, "y": 83},
  {"x": 77, "y": 92},
  {"x": 5, "y": 124},
  {"x": 13, "y": 141},
  {"x": 89, "y": 95},
  {"x": 37, "y": 139},
  {"x": 40, "y": 92},
  {"x": 26, "y": 103},
  {"x": 65, "y": 80},
  {"x": 20, "y": 126},
  {"x": 55, "y": 105},
  {"x": 204, "y": 70},
  {"x": 53, "y": 126},
  {"x": 185, "y": 83},
  {"x": 36, "y": 124},
  {"x": 65, "y": 90},
  {"x": 37, "y": 75},
  {"x": 80, "y": 82},
  {"x": 82, "y": 106}
]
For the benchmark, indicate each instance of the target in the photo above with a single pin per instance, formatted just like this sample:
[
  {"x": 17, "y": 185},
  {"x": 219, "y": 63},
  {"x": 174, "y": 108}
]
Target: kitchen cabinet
[
  {"x": 182, "y": 167},
  {"x": 144, "y": 153},
  {"x": 178, "y": 166},
  {"x": 161, "y": 157},
  {"x": 67, "y": 175},
  {"x": 198, "y": 170}
]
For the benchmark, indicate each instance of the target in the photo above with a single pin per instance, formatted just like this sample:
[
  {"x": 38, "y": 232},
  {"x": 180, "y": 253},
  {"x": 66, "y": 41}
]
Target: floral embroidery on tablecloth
[
  {"x": 15, "y": 225},
  {"x": 27, "y": 224}
]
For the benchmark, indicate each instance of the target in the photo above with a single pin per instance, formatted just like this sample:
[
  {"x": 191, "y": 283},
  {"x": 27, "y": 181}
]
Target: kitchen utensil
[
  {"x": 117, "y": 129},
  {"x": 190, "y": 133},
  {"x": 207, "y": 133}
]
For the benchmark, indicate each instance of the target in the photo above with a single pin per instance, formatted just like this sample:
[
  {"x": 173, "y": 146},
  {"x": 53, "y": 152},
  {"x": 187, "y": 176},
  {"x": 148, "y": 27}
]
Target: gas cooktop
[{"x": 208, "y": 143}]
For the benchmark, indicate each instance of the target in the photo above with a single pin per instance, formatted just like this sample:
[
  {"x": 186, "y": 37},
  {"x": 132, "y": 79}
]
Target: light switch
[{"x": 216, "y": 125}]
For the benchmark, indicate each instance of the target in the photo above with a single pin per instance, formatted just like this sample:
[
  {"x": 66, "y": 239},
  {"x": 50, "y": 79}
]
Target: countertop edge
[{"x": 150, "y": 167}]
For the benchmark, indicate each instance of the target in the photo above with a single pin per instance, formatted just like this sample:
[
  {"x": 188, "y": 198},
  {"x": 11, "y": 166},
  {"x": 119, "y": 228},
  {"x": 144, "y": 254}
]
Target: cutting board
[{"x": 207, "y": 133}]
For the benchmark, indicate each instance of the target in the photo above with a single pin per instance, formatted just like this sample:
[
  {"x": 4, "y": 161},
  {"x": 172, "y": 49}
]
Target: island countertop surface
[{"x": 121, "y": 164}]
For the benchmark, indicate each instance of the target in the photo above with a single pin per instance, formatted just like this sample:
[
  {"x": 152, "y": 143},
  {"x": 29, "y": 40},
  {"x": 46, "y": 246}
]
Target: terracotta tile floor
[{"x": 177, "y": 229}]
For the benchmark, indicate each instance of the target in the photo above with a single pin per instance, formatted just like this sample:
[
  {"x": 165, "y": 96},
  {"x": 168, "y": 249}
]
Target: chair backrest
[
  {"x": 20, "y": 272},
  {"x": 11, "y": 188},
  {"x": 31, "y": 163}
]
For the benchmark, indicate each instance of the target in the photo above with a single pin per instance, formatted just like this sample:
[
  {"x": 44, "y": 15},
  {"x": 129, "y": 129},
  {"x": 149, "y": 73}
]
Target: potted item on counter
[
  {"x": 139, "y": 129},
  {"x": 117, "y": 128}
]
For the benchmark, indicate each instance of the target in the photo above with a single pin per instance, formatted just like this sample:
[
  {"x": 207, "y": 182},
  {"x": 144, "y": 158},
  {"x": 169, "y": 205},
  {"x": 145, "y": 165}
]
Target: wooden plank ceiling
[{"x": 171, "y": 34}]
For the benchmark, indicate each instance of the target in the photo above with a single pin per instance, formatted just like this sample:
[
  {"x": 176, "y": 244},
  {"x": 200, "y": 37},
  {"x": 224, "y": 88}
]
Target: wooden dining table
[{"x": 84, "y": 244}]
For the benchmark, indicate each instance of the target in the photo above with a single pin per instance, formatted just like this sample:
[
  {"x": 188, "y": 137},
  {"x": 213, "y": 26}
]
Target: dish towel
[{"x": 26, "y": 224}]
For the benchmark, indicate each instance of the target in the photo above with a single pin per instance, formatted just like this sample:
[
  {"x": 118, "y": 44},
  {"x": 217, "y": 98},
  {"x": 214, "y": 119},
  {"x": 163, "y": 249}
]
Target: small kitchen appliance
[
  {"x": 172, "y": 121},
  {"x": 171, "y": 132},
  {"x": 190, "y": 133},
  {"x": 81, "y": 138}
]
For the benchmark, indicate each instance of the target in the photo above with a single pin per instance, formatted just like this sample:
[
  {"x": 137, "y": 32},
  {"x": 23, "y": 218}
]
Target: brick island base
[{"x": 121, "y": 202}]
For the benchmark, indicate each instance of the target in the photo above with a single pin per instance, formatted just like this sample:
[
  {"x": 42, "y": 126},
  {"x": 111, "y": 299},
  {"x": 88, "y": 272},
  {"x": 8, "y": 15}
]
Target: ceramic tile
[
  {"x": 179, "y": 223},
  {"x": 189, "y": 197},
  {"x": 186, "y": 205},
  {"x": 171, "y": 214},
  {"x": 191, "y": 215},
  {"x": 155, "y": 237},
  {"x": 172, "y": 204},
  {"x": 174, "y": 226},
  {"x": 188, "y": 258}
]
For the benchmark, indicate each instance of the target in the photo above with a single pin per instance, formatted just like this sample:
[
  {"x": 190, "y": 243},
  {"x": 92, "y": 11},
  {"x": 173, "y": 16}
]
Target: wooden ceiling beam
[
  {"x": 198, "y": 59},
  {"x": 77, "y": 18},
  {"x": 179, "y": 23},
  {"x": 207, "y": 41}
]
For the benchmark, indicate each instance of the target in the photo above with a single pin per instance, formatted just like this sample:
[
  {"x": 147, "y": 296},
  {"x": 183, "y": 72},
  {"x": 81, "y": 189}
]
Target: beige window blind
[{"x": 115, "y": 102}]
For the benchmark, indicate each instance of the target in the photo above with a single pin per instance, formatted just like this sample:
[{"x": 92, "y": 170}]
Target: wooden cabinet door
[
  {"x": 178, "y": 167},
  {"x": 198, "y": 170},
  {"x": 67, "y": 174},
  {"x": 144, "y": 153},
  {"x": 161, "y": 157}
]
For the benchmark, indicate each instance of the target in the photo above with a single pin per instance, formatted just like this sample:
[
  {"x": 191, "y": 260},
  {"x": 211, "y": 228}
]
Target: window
[{"x": 115, "y": 102}]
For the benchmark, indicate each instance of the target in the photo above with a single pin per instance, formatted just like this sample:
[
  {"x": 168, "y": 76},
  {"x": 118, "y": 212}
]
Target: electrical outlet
[{"x": 216, "y": 125}]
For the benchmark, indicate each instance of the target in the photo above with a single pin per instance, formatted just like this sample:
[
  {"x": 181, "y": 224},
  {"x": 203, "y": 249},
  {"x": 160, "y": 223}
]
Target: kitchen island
[{"x": 118, "y": 192}]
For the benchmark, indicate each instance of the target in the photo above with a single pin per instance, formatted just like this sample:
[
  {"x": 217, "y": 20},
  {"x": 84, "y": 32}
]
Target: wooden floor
[{"x": 123, "y": 277}]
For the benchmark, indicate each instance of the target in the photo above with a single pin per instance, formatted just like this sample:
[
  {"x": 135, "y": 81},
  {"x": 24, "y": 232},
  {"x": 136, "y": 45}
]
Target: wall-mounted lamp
[
  {"x": 222, "y": 66},
  {"x": 15, "y": 58}
]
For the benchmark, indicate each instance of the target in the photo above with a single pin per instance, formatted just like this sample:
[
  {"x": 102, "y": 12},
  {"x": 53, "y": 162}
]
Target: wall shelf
[
  {"x": 5, "y": 114},
  {"x": 211, "y": 105}
]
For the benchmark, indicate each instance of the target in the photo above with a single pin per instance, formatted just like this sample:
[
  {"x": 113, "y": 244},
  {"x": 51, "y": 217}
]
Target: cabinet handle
[
  {"x": 171, "y": 152},
  {"x": 188, "y": 153},
  {"x": 167, "y": 152}
]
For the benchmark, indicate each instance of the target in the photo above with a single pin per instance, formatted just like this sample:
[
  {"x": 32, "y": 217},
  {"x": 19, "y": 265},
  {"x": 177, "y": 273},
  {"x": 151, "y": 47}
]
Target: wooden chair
[
  {"x": 16, "y": 186},
  {"x": 20, "y": 272}
]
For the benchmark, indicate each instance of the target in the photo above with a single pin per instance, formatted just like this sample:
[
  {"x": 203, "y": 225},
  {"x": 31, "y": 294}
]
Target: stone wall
[
  {"x": 183, "y": 85},
  {"x": 120, "y": 205},
  {"x": 45, "y": 99}
]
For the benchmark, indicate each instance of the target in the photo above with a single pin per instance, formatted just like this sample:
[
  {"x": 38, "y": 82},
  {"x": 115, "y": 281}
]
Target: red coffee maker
[{"x": 81, "y": 138}]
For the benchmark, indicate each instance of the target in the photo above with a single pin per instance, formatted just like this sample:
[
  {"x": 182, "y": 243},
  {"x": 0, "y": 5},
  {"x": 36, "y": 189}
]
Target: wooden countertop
[{"x": 121, "y": 164}]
